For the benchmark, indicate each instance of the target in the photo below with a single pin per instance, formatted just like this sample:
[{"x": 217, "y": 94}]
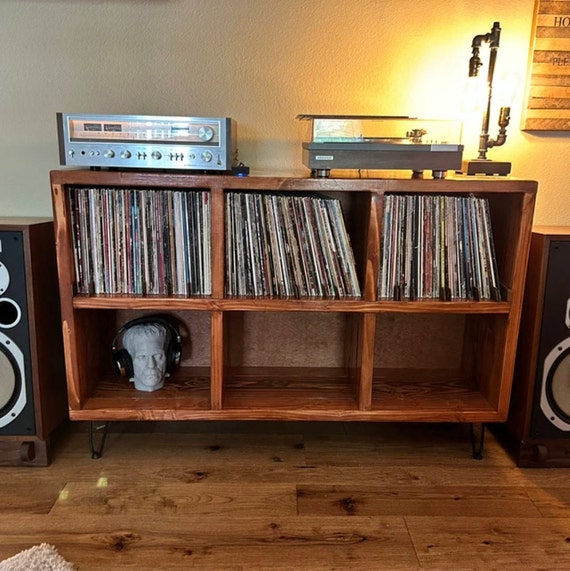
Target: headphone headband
[{"x": 143, "y": 320}]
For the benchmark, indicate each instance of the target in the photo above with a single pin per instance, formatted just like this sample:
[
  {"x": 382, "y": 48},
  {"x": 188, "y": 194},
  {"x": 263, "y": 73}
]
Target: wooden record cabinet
[{"x": 306, "y": 359}]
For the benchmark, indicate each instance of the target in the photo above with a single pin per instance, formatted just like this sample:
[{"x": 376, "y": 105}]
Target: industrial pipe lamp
[{"x": 483, "y": 165}]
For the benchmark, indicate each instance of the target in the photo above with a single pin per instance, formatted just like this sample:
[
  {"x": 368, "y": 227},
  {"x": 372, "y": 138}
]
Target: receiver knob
[
  {"x": 207, "y": 156},
  {"x": 109, "y": 154},
  {"x": 156, "y": 155},
  {"x": 125, "y": 154},
  {"x": 205, "y": 133}
]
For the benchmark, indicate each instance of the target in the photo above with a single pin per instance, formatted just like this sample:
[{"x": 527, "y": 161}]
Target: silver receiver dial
[
  {"x": 205, "y": 133},
  {"x": 207, "y": 156}
]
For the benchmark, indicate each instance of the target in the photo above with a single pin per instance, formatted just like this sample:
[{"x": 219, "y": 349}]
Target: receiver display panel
[{"x": 150, "y": 131}]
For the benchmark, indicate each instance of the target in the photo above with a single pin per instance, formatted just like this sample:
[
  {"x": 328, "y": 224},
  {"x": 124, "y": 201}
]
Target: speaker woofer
[
  {"x": 555, "y": 394},
  {"x": 12, "y": 388}
]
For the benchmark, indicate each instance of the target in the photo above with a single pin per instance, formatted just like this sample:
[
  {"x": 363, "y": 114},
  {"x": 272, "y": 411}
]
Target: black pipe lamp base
[{"x": 486, "y": 167}]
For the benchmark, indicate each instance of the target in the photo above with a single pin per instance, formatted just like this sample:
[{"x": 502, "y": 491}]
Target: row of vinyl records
[
  {"x": 437, "y": 247},
  {"x": 157, "y": 242},
  {"x": 288, "y": 245},
  {"x": 141, "y": 241}
]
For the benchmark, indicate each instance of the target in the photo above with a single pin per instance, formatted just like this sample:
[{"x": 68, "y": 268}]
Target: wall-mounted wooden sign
[{"x": 548, "y": 104}]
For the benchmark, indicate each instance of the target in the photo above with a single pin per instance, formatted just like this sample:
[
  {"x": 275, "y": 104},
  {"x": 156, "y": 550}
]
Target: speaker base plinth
[
  {"x": 24, "y": 453},
  {"x": 534, "y": 453},
  {"x": 544, "y": 453}
]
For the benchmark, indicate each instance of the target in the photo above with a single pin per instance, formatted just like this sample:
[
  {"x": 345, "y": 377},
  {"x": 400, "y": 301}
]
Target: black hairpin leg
[
  {"x": 101, "y": 429},
  {"x": 477, "y": 439}
]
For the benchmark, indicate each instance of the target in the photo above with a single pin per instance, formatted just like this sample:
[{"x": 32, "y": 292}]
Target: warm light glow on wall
[
  {"x": 474, "y": 99},
  {"x": 473, "y": 96},
  {"x": 507, "y": 87}
]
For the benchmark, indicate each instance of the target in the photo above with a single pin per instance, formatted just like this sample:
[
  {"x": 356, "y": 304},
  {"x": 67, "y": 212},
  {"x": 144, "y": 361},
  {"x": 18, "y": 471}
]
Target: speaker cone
[
  {"x": 555, "y": 397},
  {"x": 8, "y": 381},
  {"x": 12, "y": 388}
]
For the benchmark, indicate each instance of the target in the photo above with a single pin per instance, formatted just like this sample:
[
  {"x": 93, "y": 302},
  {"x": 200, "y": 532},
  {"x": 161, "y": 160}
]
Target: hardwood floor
[{"x": 287, "y": 496}]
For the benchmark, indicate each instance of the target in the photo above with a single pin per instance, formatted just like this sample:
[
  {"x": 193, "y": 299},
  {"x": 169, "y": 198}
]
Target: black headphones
[{"x": 122, "y": 359}]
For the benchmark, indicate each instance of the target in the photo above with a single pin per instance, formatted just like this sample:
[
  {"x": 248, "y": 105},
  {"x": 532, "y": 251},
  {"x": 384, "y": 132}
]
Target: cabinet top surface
[
  {"x": 23, "y": 220},
  {"x": 551, "y": 231},
  {"x": 269, "y": 182}
]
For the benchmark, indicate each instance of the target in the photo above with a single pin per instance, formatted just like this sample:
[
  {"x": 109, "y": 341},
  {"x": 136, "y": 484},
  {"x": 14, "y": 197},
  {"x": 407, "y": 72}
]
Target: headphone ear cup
[
  {"x": 123, "y": 363},
  {"x": 174, "y": 354}
]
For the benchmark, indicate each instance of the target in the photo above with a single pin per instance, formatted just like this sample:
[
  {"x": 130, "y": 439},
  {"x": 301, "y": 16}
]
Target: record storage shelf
[{"x": 309, "y": 359}]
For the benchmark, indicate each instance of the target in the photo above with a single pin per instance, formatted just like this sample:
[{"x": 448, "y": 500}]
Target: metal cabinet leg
[
  {"x": 101, "y": 429},
  {"x": 477, "y": 439}
]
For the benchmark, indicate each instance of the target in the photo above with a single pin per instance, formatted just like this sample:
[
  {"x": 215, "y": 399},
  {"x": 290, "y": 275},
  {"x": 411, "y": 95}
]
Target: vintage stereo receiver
[
  {"x": 144, "y": 141},
  {"x": 381, "y": 142}
]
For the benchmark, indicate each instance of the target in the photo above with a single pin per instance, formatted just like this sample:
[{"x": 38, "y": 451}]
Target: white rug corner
[{"x": 44, "y": 557}]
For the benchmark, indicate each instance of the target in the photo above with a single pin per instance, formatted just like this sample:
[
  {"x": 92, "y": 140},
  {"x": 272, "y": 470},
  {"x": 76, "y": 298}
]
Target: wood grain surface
[{"x": 253, "y": 496}]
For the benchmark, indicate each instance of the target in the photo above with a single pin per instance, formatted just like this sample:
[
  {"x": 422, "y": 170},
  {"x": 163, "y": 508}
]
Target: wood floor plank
[
  {"x": 402, "y": 450},
  {"x": 221, "y": 448},
  {"x": 305, "y": 474},
  {"x": 104, "y": 497},
  {"x": 551, "y": 502},
  {"x": 214, "y": 543},
  {"x": 508, "y": 544},
  {"x": 544, "y": 477},
  {"x": 473, "y": 501},
  {"x": 26, "y": 493}
]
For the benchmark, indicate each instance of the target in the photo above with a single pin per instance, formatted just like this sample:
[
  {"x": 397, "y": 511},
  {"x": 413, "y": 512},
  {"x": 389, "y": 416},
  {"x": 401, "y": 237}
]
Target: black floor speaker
[
  {"x": 32, "y": 373},
  {"x": 539, "y": 416}
]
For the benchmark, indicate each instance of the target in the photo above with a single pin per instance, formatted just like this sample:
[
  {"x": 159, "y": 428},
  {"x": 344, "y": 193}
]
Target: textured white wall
[{"x": 261, "y": 62}]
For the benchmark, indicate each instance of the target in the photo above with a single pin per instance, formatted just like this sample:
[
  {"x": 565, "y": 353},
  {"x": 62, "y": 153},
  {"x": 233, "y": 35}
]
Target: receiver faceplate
[{"x": 145, "y": 141}]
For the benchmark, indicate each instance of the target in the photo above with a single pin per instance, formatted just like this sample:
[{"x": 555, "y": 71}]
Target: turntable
[{"x": 381, "y": 142}]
